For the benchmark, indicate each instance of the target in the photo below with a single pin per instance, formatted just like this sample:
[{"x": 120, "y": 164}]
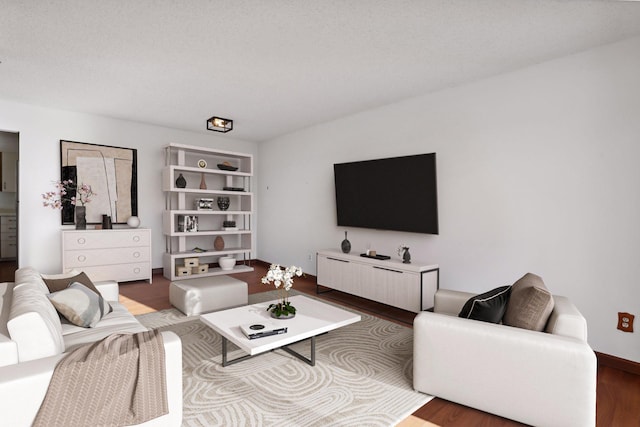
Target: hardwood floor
[
  {"x": 7, "y": 270},
  {"x": 618, "y": 394}
]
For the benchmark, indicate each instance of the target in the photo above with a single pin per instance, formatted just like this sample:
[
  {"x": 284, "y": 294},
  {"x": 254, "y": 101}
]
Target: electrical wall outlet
[{"x": 625, "y": 322}]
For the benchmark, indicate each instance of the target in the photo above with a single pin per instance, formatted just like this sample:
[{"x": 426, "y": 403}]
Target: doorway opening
[{"x": 9, "y": 202}]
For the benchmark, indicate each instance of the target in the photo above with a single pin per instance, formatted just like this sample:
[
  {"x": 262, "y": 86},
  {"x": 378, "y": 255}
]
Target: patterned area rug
[{"x": 362, "y": 376}]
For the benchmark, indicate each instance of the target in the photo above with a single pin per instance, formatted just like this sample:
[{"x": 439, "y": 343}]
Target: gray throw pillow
[
  {"x": 80, "y": 305},
  {"x": 530, "y": 304}
]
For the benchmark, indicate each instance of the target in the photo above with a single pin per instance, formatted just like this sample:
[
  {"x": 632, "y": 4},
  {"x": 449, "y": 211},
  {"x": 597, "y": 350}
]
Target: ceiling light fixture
[{"x": 218, "y": 124}]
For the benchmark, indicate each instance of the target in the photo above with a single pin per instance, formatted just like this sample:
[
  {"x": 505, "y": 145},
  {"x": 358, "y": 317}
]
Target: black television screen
[{"x": 398, "y": 193}]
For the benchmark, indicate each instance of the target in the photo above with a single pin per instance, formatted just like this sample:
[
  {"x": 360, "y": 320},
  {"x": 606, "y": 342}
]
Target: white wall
[
  {"x": 537, "y": 172},
  {"x": 41, "y": 130}
]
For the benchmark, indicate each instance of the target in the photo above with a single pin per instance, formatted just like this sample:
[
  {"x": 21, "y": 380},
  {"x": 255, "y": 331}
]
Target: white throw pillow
[{"x": 80, "y": 305}]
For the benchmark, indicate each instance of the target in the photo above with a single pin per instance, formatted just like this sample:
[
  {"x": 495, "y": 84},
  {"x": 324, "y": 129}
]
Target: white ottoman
[{"x": 204, "y": 294}]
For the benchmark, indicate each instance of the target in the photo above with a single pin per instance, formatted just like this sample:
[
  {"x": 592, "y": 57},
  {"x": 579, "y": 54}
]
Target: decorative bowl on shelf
[
  {"x": 226, "y": 166},
  {"x": 226, "y": 262}
]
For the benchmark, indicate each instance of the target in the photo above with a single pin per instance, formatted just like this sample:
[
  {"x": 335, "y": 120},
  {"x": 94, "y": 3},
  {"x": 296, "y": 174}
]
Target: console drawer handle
[
  {"x": 336, "y": 259},
  {"x": 82, "y": 258},
  {"x": 388, "y": 269}
]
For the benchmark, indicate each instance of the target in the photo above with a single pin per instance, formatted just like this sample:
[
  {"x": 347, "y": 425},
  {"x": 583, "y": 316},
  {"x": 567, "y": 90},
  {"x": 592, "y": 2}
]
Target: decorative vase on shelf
[
  {"x": 106, "y": 222},
  {"x": 218, "y": 243},
  {"x": 203, "y": 183},
  {"x": 181, "y": 182},
  {"x": 346, "y": 244},
  {"x": 81, "y": 218}
]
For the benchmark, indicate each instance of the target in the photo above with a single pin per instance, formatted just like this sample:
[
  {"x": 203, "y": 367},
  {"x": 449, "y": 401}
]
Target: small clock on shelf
[{"x": 202, "y": 164}]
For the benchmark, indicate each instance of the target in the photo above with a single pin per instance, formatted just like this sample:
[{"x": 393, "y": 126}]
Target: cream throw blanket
[{"x": 114, "y": 382}]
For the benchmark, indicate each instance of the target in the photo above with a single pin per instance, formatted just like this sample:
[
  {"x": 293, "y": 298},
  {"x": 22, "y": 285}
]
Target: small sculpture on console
[{"x": 403, "y": 251}]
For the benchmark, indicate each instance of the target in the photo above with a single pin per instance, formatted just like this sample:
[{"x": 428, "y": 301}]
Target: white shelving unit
[{"x": 180, "y": 244}]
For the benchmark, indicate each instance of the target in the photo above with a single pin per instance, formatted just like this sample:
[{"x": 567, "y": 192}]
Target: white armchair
[{"x": 538, "y": 378}]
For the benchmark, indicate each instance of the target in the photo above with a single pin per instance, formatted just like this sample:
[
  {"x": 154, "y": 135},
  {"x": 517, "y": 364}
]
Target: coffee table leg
[
  {"x": 312, "y": 360},
  {"x": 224, "y": 351},
  {"x": 226, "y": 362}
]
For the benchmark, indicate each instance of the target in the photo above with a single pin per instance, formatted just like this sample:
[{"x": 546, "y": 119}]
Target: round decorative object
[
  {"x": 283, "y": 316},
  {"x": 226, "y": 263},
  {"x": 133, "y": 222},
  {"x": 223, "y": 203},
  {"x": 218, "y": 244},
  {"x": 226, "y": 166},
  {"x": 181, "y": 182},
  {"x": 346, "y": 244},
  {"x": 202, "y": 163}
]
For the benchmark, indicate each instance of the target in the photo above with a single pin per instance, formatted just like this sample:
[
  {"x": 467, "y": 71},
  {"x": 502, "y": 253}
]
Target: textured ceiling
[{"x": 275, "y": 66}]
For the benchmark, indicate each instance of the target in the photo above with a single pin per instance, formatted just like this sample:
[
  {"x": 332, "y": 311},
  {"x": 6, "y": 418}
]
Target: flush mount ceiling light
[{"x": 219, "y": 124}]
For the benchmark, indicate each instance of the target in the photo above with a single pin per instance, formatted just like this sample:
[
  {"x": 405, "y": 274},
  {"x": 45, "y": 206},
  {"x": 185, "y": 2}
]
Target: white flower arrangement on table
[
  {"x": 402, "y": 248},
  {"x": 55, "y": 199},
  {"x": 282, "y": 279}
]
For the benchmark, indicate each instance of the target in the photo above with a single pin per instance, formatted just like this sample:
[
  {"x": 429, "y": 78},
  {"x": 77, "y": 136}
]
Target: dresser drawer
[
  {"x": 120, "y": 273},
  {"x": 100, "y": 239},
  {"x": 8, "y": 224},
  {"x": 90, "y": 257},
  {"x": 8, "y": 235},
  {"x": 8, "y": 248}
]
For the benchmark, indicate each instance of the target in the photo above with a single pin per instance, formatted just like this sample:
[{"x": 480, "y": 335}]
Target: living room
[{"x": 536, "y": 173}]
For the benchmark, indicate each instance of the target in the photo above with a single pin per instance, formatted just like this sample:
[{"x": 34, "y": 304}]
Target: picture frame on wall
[{"x": 112, "y": 173}]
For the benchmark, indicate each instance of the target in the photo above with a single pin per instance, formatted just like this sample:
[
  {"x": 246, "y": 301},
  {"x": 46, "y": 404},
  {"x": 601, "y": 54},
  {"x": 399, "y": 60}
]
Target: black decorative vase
[
  {"x": 181, "y": 182},
  {"x": 406, "y": 257},
  {"x": 346, "y": 244},
  {"x": 106, "y": 222},
  {"x": 81, "y": 218}
]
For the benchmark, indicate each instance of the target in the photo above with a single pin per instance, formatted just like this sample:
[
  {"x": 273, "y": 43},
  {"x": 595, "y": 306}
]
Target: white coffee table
[{"x": 312, "y": 319}]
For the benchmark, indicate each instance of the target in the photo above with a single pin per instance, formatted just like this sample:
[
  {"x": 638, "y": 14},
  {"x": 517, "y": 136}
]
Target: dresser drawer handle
[
  {"x": 136, "y": 238},
  {"x": 82, "y": 240},
  {"x": 82, "y": 258},
  {"x": 136, "y": 254},
  {"x": 136, "y": 270}
]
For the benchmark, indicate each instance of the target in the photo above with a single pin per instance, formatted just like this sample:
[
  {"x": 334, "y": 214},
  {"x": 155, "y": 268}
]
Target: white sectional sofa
[
  {"x": 537, "y": 378},
  {"x": 33, "y": 339}
]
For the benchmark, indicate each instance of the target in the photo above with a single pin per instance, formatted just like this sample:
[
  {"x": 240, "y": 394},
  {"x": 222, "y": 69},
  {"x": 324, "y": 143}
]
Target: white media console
[{"x": 407, "y": 286}]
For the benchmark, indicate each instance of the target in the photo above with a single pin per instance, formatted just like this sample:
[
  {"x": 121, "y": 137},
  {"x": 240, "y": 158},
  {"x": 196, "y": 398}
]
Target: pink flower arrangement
[{"x": 54, "y": 199}]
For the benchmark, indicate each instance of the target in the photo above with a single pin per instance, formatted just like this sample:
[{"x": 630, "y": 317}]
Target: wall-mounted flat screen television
[{"x": 398, "y": 193}]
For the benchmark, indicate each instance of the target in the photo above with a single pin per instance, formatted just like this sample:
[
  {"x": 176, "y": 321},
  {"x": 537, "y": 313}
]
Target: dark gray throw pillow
[
  {"x": 59, "y": 284},
  {"x": 487, "y": 307}
]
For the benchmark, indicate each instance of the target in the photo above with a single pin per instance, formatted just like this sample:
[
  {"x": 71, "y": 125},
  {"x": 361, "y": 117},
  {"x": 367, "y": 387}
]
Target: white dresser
[
  {"x": 118, "y": 254},
  {"x": 8, "y": 236}
]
